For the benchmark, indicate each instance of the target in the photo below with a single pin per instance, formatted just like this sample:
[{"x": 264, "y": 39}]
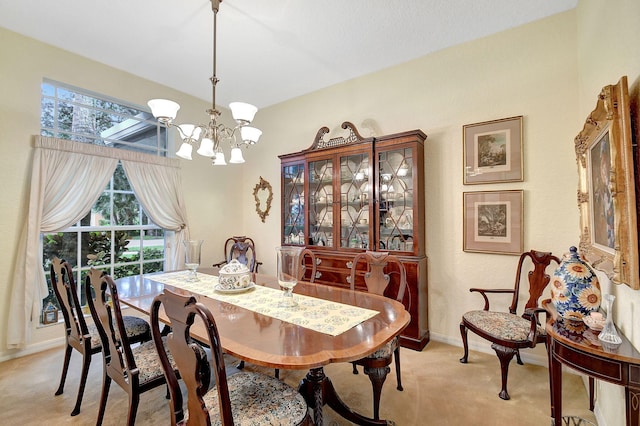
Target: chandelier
[{"x": 210, "y": 137}]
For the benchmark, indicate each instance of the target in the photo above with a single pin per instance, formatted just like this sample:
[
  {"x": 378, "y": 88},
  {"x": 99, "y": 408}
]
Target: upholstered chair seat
[
  {"x": 502, "y": 325},
  {"x": 148, "y": 362},
  {"x": 387, "y": 350},
  {"x": 257, "y": 399}
]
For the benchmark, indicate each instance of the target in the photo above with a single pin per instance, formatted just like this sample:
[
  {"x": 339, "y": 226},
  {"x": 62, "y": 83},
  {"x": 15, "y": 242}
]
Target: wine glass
[
  {"x": 192, "y": 250},
  {"x": 288, "y": 269}
]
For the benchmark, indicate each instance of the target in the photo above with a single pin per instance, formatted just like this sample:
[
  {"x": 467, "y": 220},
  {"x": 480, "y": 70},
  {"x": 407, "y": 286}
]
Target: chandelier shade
[
  {"x": 164, "y": 109},
  {"x": 185, "y": 151},
  {"x": 236, "y": 156},
  {"x": 210, "y": 137}
]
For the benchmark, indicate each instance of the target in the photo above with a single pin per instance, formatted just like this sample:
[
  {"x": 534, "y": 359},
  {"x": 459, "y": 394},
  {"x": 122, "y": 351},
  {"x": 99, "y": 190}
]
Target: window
[
  {"x": 78, "y": 115},
  {"x": 116, "y": 235}
]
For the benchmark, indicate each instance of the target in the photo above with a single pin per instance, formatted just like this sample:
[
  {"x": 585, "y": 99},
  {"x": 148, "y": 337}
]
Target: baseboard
[{"x": 32, "y": 349}]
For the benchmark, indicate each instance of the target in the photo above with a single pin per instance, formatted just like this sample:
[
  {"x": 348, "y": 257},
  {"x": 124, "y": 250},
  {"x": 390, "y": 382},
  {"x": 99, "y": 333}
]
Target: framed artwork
[
  {"x": 493, "y": 222},
  {"x": 606, "y": 191},
  {"x": 493, "y": 151}
]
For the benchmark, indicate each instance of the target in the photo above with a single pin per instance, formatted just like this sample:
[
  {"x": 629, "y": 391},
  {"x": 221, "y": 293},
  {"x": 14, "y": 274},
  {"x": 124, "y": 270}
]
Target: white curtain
[
  {"x": 159, "y": 190},
  {"x": 66, "y": 181}
]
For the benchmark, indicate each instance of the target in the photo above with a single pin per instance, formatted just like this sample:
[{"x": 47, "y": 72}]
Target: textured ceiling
[{"x": 268, "y": 51}]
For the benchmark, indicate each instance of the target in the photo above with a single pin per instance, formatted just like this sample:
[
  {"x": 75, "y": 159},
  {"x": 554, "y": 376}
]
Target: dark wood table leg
[
  {"x": 317, "y": 390},
  {"x": 555, "y": 376},
  {"x": 550, "y": 358},
  {"x": 632, "y": 402}
]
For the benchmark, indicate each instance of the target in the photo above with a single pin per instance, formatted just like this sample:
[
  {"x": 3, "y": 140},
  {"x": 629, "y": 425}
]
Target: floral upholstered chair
[
  {"x": 509, "y": 331},
  {"x": 243, "y": 398},
  {"x": 79, "y": 335}
]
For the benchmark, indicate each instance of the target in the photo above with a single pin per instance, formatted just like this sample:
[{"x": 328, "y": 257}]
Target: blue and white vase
[{"x": 575, "y": 289}]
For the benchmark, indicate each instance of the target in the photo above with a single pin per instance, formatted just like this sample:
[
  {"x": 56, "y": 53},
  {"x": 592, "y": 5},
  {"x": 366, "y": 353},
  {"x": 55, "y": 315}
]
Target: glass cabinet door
[
  {"x": 320, "y": 178},
  {"x": 293, "y": 204},
  {"x": 354, "y": 201},
  {"x": 395, "y": 194}
]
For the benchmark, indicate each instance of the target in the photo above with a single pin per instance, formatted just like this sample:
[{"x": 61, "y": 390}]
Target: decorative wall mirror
[
  {"x": 606, "y": 192},
  {"x": 263, "y": 195}
]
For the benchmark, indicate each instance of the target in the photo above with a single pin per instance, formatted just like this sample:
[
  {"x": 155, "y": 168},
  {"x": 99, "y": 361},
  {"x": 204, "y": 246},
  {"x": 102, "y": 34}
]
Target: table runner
[{"x": 315, "y": 314}]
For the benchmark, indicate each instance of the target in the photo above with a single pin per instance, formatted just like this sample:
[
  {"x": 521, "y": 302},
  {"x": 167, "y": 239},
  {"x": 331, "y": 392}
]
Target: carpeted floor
[{"x": 438, "y": 390}]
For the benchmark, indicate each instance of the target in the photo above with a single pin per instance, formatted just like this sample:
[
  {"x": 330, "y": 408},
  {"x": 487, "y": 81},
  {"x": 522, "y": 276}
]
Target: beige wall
[{"x": 549, "y": 71}]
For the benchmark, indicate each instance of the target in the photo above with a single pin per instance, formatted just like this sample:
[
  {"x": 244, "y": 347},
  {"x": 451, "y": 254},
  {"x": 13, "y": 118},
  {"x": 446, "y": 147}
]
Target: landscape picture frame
[
  {"x": 493, "y": 221},
  {"x": 493, "y": 151},
  {"x": 606, "y": 187}
]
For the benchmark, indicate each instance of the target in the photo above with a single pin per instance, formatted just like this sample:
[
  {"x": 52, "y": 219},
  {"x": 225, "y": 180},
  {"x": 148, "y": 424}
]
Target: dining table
[{"x": 329, "y": 325}]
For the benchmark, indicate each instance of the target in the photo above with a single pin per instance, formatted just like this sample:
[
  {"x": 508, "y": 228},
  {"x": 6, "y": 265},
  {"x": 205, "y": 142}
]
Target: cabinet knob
[
  {"x": 349, "y": 279},
  {"x": 318, "y": 261},
  {"x": 318, "y": 274},
  {"x": 349, "y": 264}
]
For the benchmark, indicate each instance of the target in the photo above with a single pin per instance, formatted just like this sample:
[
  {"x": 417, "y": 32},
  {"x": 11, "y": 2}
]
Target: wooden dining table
[{"x": 267, "y": 341}]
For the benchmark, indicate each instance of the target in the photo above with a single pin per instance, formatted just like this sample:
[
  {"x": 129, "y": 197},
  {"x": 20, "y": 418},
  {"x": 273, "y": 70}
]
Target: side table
[{"x": 573, "y": 344}]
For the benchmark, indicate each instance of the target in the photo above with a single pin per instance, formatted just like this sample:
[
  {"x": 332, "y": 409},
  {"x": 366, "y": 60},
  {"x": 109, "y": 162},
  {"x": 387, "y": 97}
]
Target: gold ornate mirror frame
[
  {"x": 606, "y": 191},
  {"x": 258, "y": 191}
]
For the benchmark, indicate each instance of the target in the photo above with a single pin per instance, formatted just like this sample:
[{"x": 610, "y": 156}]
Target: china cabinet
[{"x": 349, "y": 194}]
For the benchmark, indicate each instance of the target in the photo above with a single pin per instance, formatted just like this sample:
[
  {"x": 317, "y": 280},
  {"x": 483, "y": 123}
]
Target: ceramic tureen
[{"x": 234, "y": 275}]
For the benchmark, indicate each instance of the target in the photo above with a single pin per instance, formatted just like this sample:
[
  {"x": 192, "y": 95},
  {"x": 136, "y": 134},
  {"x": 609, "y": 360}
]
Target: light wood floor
[{"x": 438, "y": 390}]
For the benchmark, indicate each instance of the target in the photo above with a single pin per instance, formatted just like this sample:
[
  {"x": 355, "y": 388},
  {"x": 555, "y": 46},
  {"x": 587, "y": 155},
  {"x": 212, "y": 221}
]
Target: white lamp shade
[
  {"x": 250, "y": 135},
  {"x": 163, "y": 109},
  {"x": 219, "y": 160},
  {"x": 236, "y": 156},
  {"x": 206, "y": 148},
  {"x": 243, "y": 112},
  {"x": 185, "y": 151},
  {"x": 189, "y": 131}
]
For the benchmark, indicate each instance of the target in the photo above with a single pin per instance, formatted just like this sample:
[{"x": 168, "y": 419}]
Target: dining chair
[
  {"x": 377, "y": 277},
  {"x": 241, "y": 248},
  {"x": 136, "y": 369},
  {"x": 242, "y": 398},
  {"x": 310, "y": 264},
  {"x": 79, "y": 335},
  {"x": 509, "y": 331}
]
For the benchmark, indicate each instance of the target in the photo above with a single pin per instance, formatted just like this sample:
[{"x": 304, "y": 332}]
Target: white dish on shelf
[
  {"x": 325, "y": 173},
  {"x": 364, "y": 214},
  {"x": 325, "y": 218},
  {"x": 234, "y": 290},
  {"x": 348, "y": 192},
  {"x": 348, "y": 214},
  {"x": 592, "y": 323},
  {"x": 348, "y": 168}
]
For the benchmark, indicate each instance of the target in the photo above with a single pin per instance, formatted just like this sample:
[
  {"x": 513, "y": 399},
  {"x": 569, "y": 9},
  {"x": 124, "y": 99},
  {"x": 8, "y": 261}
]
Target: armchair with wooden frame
[{"x": 509, "y": 331}]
